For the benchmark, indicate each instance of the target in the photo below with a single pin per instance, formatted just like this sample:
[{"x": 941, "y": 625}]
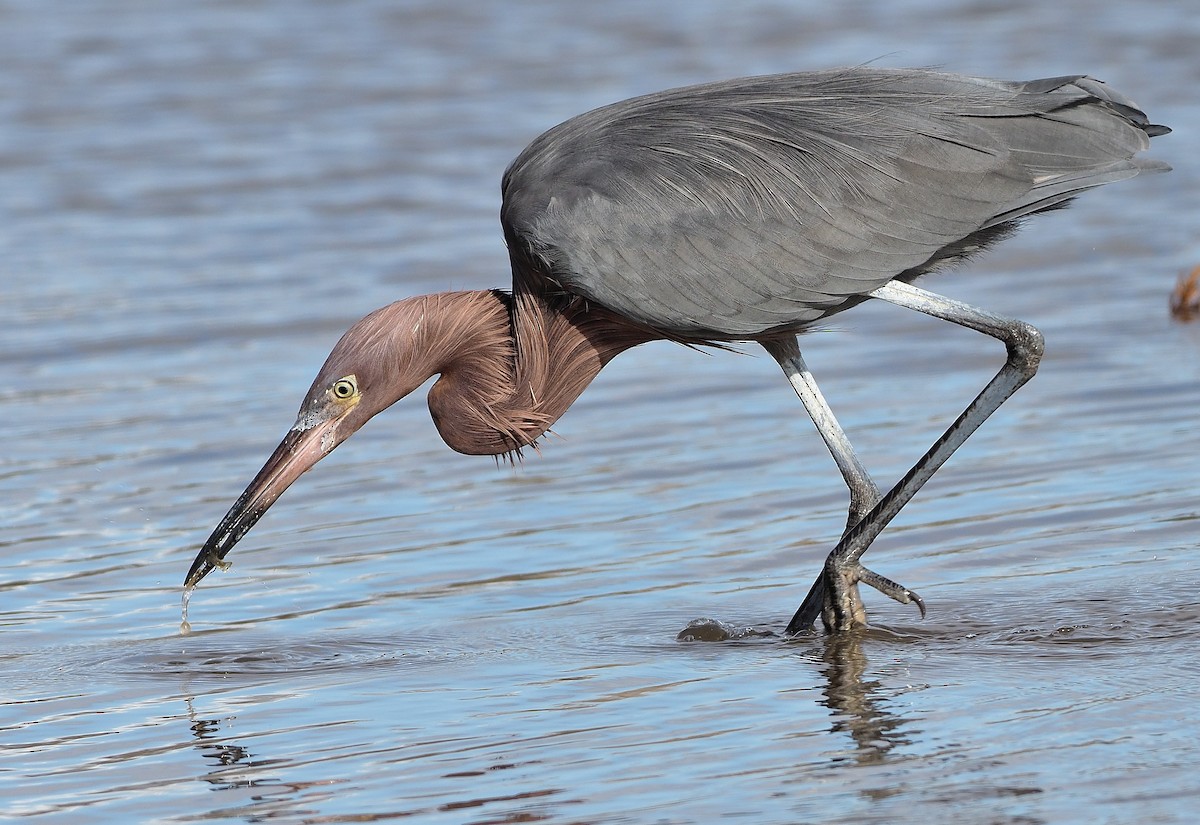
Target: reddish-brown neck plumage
[{"x": 510, "y": 365}]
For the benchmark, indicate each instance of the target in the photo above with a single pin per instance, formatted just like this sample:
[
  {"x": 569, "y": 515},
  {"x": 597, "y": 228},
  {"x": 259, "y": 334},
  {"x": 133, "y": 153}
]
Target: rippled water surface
[{"x": 197, "y": 198}]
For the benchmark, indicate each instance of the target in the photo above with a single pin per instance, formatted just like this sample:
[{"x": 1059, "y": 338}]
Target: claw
[{"x": 889, "y": 588}]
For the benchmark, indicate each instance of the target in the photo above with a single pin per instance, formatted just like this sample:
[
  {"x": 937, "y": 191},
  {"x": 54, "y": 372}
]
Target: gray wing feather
[{"x": 727, "y": 210}]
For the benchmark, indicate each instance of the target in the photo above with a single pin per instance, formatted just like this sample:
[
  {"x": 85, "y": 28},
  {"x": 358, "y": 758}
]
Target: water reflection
[
  {"x": 230, "y": 767},
  {"x": 231, "y": 763},
  {"x": 859, "y": 703}
]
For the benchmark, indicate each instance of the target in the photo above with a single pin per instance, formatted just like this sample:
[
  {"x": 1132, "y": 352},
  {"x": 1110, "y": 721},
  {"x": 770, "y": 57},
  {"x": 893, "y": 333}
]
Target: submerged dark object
[{"x": 744, "y": 210}]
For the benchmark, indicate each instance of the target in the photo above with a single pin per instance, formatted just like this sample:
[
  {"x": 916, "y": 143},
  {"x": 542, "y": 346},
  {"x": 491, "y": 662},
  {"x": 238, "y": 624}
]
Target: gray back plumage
[{"x": 731, "y": 209}]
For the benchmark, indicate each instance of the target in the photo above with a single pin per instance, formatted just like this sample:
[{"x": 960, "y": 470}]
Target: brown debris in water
[{"x": 1185, "y": 300}]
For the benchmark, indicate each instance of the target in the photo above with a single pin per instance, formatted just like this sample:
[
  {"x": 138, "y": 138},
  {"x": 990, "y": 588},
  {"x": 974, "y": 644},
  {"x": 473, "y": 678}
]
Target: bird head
[{"x": 375, "y": 364}]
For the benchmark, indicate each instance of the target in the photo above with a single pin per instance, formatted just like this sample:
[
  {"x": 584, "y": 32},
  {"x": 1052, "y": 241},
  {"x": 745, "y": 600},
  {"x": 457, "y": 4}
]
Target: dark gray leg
[{"x": 835, "y": 596}]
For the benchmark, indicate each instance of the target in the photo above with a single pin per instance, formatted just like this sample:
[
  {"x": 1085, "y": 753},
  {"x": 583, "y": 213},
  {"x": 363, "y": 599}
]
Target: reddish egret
[{"x": 746, "y": 210}]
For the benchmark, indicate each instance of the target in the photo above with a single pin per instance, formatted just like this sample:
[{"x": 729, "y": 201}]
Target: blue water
[{"x": 197, "y": 198}]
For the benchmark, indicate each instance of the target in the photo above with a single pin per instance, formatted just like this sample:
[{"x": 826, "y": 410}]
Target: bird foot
[
  {"x": 843, "y": 606},
  {"x": 835, "y": 597}
]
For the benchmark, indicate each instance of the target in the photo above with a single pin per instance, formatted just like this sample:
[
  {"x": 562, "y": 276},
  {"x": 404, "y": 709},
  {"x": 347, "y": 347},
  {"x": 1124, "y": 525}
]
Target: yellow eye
[{"x": 344, "y": 388}]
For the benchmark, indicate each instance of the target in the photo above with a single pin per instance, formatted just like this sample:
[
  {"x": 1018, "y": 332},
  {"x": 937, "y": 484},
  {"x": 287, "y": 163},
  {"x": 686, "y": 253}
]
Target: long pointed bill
[{"x": 297, "y": 453}]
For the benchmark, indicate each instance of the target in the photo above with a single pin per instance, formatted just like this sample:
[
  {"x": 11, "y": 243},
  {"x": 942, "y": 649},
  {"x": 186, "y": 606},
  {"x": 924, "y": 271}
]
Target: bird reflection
[
  {"x": 859, "y": 703},
  {"x": 222, "y": 754}
]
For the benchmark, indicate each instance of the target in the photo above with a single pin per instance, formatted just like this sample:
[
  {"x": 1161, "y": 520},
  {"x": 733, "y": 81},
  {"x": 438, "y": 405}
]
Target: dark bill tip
[
  {"x": 298, "y": 452},
  {"x": 237, "y": 522},
  {"x": 204, "y": 564}
]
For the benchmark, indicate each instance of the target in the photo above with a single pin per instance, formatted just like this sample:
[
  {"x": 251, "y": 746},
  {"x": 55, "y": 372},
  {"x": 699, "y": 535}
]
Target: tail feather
[{"x": 1082, "y": 134}]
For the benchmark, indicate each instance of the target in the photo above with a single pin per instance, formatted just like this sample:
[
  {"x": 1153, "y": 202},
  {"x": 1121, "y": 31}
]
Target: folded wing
[{"x": 727, "y": 210}]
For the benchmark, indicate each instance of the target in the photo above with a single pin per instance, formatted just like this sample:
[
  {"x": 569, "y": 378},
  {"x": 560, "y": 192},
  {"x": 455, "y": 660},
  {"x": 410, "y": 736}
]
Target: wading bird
[{"x": 745, "y": 210}]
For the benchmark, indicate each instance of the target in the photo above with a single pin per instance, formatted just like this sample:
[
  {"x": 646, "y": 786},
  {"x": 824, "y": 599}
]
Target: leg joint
[{"x": 1025, "y": 347}]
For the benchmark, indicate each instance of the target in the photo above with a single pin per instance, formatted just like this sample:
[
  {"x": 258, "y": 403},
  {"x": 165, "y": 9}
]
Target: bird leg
[
  {"x": 863, "y": 490},
  {"x": 835, "y": 600},
  {"x": 864, "y": 493}
]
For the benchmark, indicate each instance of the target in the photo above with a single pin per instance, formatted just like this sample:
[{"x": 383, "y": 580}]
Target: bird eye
[{"x": 344, "y": 388}]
